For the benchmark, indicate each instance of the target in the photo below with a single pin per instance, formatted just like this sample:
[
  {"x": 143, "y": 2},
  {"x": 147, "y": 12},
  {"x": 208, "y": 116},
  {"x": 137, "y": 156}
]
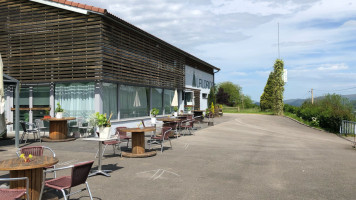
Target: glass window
[
  {"x": 77, "y": 99},
  {"x": 110, "y": 99},
  {"x": 40, "y": 96},
  {"x": 24, "y": 103},
  {"x": 168, "y": 97},
  {"x": 134, "y": 101},
  {"x": 157, "y": 99}
]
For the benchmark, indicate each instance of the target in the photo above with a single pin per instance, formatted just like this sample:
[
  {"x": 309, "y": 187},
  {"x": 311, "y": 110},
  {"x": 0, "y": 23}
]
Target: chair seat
[
  {"x": 12, "y": 193},
  {"x": 186, "y": 126},
  {"x": 59, "y": 183},
  {"x": 111, "y": 142},
  {"x": 125, "y": 138},
  {"x": 156, "y": 137}
]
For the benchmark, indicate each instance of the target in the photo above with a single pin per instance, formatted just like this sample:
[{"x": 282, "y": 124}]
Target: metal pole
[{"x": 17, "y": 114}]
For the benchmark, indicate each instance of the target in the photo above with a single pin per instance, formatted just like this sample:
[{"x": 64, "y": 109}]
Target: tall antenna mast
[{"x": 279, "y": 57}]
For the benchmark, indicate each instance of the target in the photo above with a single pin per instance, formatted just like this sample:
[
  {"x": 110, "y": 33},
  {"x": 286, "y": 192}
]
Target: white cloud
[{"x": 317, "y": 37}]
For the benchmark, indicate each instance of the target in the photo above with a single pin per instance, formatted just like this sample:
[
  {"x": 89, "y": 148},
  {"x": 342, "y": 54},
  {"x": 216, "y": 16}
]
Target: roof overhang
[{"x": 62, "y": 6}]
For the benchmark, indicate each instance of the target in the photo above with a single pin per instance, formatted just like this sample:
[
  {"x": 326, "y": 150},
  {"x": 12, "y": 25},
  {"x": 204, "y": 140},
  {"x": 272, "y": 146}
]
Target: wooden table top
[
  {"x": 133, "y": 130},
  {"x": 20, "y": 164},
  {"x": 168, "y": 119},
  {"x": 58, "y": 119}
]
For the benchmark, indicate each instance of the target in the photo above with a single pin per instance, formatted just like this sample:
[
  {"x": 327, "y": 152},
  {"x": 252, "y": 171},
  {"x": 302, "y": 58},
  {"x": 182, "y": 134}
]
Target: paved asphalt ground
[{"x": 243, "y": 156}]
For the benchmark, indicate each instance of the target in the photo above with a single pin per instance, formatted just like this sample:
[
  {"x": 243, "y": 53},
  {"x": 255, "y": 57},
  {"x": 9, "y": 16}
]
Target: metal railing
[{"x": 348, "y": 127}]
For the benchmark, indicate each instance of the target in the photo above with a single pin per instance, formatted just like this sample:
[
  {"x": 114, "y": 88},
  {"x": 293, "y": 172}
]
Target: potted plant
[
  {"x": 175, "y": 108},
  {"x": 189, "y": 108},
  {"x": 154, "y": 113},
  {"x": 59, "y": 111},
  {"x": 104, "y": 125},
  {"x": 47, "y": 116}
]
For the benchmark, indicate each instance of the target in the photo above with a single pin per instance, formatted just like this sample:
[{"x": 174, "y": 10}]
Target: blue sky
[{"x": 317, "y": 38}]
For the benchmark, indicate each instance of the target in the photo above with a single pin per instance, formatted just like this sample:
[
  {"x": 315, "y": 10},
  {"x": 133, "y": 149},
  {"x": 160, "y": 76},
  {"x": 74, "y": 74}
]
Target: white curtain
[
  {"x": 128, "y": 108},
  {"x": 110, "y": 99},
  {"x": 77, "y": 99}
]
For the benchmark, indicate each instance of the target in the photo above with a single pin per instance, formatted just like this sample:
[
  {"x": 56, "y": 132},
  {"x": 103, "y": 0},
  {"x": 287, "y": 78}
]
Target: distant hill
[{"x": 299, "y": 102}]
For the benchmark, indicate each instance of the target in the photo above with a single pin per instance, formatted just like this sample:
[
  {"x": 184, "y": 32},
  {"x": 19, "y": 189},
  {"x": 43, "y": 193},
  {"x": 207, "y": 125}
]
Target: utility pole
[{"x": 312, "y": 97}]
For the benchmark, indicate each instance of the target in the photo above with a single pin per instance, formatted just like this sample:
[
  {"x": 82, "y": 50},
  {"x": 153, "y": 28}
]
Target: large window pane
[
  {"x": 168, "y": 97},
  {"x": 157, "y": 99},
  {"x": 77, "y": 99},
  {"x": 110, "y": 99},
  {"x": 133, "y": 101},
  {"x": 40, "y": 96},
  {"x": 24, "y": 103}
]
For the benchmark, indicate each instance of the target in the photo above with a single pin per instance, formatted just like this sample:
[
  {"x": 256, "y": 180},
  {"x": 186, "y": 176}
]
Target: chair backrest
[
  {"x": 165, "y": 132},
  {"x": 80, "y": 172},
  {"x": 189, "y": 116},
  {"x": 34, "y": 150},
  {"x": 39, "y": 123},
  {"x": 23, "y": 125},
  {"x": 121, "y": 133}
]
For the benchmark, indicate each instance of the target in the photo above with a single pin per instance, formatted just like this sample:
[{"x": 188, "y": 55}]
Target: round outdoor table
[
  {"x": 138, "y": 142},
  {"x": 33, "y": 170},
  {"x": 58, "y": 129}
]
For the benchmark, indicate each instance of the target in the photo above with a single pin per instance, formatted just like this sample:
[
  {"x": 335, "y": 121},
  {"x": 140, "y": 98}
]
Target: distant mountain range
[{"x": 299, "y": 102}]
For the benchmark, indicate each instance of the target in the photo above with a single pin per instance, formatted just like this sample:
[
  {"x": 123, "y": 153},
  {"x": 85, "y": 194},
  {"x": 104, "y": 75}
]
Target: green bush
[
  {"x": 327, "y": 112},
  {"x": 290, "y": 108}
]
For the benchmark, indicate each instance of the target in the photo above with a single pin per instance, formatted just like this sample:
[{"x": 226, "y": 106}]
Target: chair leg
[
  {"x": 22, "y": 137},
  {"x": 64, "y": 194},
  {"x": 170, "y": 143},
  {"x": 91, "y": 197},
  {"x": 43, "y": 184},
  {"x": 113, "y": 148},
  {"x": 161, "y": 146}
]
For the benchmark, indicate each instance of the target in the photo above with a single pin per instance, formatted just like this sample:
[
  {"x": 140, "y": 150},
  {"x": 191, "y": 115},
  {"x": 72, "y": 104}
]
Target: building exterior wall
[
  {"x": 199, "y": 80},
  {"x": 43, "y": 44}
]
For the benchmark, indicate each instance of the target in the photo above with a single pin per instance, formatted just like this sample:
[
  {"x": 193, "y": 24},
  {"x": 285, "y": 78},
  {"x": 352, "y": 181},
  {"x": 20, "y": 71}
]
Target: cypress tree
[
  {"x": 277, "y": 105},
  {"x": 272, "y": 96},
  {"x": 267, "y": 95}
]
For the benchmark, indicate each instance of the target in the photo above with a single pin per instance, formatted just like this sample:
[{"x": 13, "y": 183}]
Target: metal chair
[
  {"x": 40, "y": 126},
  {"x": 114, "y": 143},
  {"x": 78, "y": 176},
  {"x": 36, "y": 151},
  {"x": 161, "y": 138},
  {"x": 14, "y": 193},
  {"x": 123, "y": 135},
  {"x": 197, "y": 119},
  {"x": 26, "y": 131},
  {"x": 187, "y": 125}
]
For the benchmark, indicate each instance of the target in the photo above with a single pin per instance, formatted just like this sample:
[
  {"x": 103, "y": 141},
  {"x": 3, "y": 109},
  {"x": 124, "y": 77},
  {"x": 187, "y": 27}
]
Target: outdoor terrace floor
[{"x": 244, "y": 156}]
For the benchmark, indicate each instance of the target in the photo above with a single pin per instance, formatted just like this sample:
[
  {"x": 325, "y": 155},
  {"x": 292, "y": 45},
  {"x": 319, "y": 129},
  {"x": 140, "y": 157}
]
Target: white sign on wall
[{"x": 195, "y": 78}]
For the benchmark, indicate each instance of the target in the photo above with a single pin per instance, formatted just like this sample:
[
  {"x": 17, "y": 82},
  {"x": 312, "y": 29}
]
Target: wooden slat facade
[{"x": 43, "y": 44}]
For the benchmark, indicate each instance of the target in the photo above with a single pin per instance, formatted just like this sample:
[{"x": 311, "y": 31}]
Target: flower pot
[
  {"x": 175, "y": 114},
  {"x": 189, "y": 112},
  {"x": 105, "y": 132},
  {"x": 59, "y": 115},
  {"x": 153, "y": 120}
]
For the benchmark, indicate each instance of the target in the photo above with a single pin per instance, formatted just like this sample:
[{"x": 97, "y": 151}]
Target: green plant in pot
[
  {"x": 154, "y": 113},
  {"x": 104, "y": 125},
  {"x": 59, "y": 111},
  {"x": 175, "y": 108}
]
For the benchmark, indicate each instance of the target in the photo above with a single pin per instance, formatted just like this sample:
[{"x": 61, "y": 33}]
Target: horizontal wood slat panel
[{"x": 42, "y": 44}]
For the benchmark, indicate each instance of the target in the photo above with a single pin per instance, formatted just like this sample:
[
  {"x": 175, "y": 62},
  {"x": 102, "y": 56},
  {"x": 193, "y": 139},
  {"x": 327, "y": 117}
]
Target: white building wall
[{"x": 203, "y": 82}]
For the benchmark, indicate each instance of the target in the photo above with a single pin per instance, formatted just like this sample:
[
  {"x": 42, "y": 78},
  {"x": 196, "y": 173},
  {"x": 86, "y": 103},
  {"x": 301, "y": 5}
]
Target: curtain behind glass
[
  {"x": 168, "y": 97},
  {"x": 133, "y": 101},
  {"x": 110, "y": 99},
  {"x": 157, "y": 99},
  {"x": 77, "y": 99}
]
